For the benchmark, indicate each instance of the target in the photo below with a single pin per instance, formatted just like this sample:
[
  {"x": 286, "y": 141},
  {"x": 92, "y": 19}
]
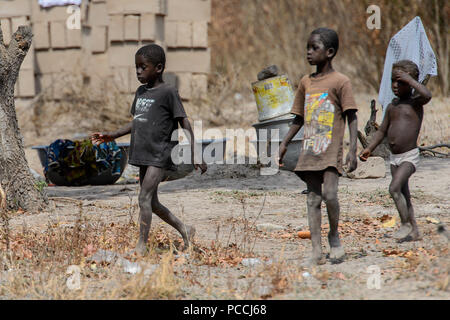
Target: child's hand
[
  {"x": 281, "y": 152},
  {"x": 402, "y": 76},
  {"x": 364, "y": 154},
  {"x": 98, "y": 138},
  {"x": 203, "y": 167},
  {"x": 351, "y": 161}
]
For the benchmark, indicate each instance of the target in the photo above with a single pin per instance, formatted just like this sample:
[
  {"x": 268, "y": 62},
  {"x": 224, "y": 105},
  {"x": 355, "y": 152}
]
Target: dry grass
[
  {"x": 34, "y": 263},
  {"x": 424, "y": 264},
  {"x": 235, "y": 239}
]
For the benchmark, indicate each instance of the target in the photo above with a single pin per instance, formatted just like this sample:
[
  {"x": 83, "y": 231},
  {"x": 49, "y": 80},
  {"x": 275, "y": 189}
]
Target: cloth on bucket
[
  {"x": 58, "y": 149},
  {"x": 108, "y": 155},
  {"x": 52, "y": 3},
  {"x": 410, "y": 43},
  {"x": 80, "y": 159}
]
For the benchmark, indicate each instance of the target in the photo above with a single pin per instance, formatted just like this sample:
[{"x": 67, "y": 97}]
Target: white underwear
[{"x": 410, "y": 156}]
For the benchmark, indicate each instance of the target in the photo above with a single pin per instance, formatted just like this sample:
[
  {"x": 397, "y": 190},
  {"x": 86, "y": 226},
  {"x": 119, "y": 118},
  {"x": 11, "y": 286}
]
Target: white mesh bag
[
  {"x": 51, "y": 3},
  {"x": 410, "y": 43}
]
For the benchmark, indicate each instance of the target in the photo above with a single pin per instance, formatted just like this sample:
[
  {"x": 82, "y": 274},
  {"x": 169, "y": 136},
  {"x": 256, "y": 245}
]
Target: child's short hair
[
  {"x": 409, "y": 67},
  {"x": 329, "y": 38},
  {"x": 153, "y": 53}
]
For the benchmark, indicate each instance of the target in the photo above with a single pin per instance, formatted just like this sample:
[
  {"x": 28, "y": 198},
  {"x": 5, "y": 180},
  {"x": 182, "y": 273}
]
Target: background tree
[{"x": 16, "y": 180}]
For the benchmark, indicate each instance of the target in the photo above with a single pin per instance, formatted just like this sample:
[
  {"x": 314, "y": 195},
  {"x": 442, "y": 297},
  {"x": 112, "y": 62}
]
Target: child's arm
[
  {"x": 378, "y": 136},
  {"x": 99, "y": 137},
  {"x": 352, "y": 121},
  {"x": 422, "y": 94},
  {"x": 184, "y": 122},
  {"x": 297, "y": 123}
]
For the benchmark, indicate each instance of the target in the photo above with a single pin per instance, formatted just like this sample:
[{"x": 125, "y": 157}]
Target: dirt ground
[{"x": 239, "y": 214}]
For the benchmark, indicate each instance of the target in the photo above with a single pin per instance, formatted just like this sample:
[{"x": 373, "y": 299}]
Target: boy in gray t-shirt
[
  {"x": 157, "y": 110},
  {"x": 156, "y": 113}
]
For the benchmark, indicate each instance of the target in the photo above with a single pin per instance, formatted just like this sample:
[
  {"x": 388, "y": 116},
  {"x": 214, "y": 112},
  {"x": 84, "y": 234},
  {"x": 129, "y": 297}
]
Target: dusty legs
[
  {"x": 150, "y": 177},
  {"x": 399, "y": 191},
  {"x": 314, "y": 200},
  {"x": 329, "y": 196},
  {"x": 327, "y": 193}
]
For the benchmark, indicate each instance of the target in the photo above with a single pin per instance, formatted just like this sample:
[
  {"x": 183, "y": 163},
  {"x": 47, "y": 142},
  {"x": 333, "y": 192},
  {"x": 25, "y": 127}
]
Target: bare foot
[
  {"x": 315, "y": 259},
  {"x": 190, "y": 233},
  {"x": 412, "y": 236},
  {"x": 141, "y": 248},
  {"x": 404, "y": 230},
  {"x": 337, "y": 254}
]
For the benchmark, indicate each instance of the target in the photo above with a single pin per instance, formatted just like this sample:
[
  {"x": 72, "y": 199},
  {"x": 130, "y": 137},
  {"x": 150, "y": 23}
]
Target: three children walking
[{"x": 324, "y": 104}]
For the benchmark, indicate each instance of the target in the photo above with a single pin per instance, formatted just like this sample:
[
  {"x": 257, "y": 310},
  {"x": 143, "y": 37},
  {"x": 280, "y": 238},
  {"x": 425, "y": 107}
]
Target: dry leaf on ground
[{"x": 389, "y": 223}]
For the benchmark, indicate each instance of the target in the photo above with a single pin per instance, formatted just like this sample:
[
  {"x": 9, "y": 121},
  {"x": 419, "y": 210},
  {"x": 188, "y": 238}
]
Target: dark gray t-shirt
[{"x": 156, "y": 113}]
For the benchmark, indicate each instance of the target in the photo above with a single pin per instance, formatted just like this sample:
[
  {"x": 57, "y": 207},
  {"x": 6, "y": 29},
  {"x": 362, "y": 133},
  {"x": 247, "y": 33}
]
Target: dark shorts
[
  {"x": 165, "y": 173},
  {"x": 314, "y": 175}
]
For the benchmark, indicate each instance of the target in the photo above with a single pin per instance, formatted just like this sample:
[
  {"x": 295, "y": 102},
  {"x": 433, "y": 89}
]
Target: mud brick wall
[
  {"x": 131, "y": 24},
  {"x": 104, "y": 47},
  {"x": 186, "y": 38}
]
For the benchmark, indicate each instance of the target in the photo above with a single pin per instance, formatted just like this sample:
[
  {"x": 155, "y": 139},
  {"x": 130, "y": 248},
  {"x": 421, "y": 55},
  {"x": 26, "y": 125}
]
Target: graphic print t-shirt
[
  {"x": 321, "y": 101},
  {"x": 156, "y": 112}
]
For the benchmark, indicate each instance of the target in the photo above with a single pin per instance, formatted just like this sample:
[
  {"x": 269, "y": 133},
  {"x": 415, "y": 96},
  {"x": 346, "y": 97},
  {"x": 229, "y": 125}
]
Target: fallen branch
[
  {"x": 442, "y": 145},
  {"x": 434, "y": 153},
  {"x": 362, "y": 139}
]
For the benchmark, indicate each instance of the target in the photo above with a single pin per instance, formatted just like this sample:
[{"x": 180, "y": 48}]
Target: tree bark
[{"x": 15, "y": 177}]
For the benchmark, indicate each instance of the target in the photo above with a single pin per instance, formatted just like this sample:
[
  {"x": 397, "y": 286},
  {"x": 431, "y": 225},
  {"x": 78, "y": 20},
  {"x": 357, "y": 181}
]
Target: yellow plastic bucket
[{"x": 274, "y": 97}]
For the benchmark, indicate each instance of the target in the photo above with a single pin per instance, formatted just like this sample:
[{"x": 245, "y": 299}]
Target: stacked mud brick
[
  {"x": 186, "y": 38},
  {"x": 104, "y": 47}
]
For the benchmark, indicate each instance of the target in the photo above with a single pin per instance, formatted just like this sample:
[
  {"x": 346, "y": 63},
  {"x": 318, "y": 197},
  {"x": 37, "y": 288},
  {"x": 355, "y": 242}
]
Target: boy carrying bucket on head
[
  {"x": 157, "y": 111},
  {"x": 324, "y": 100}
]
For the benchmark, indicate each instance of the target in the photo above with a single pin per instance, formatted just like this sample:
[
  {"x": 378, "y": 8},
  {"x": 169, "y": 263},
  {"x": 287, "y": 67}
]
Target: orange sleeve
[
  {"x": 346, "y": 98},
  {"x": 298, "y": 108}
]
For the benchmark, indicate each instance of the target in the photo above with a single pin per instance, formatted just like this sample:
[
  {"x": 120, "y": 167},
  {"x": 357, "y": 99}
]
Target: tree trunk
[{"x": 15, "y": 177}]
